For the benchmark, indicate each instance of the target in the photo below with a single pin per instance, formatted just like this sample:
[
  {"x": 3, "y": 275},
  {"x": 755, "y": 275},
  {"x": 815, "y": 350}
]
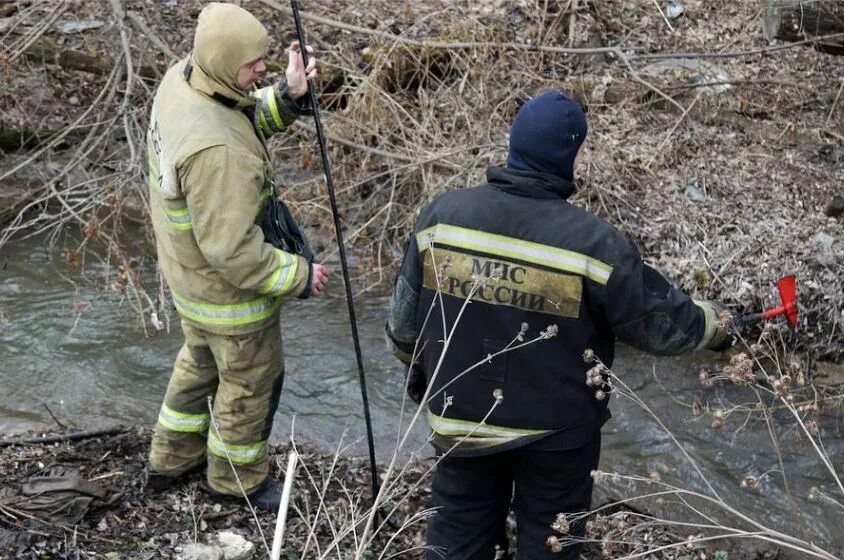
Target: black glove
[{"x": 416, "y": 383}]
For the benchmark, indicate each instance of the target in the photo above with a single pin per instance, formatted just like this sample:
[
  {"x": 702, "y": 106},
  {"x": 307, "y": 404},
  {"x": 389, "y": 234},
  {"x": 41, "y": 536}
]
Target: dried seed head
[
  {"x": 588, "y": 356},
  {"x": 561, "y": 524},
  {"x": 718, "y": 419},
  {"x": 750, "y": 483},
  {"x": 498, "y": 394},
  {"x": 600, "y": 395},
  {"x": 554, "y": 544},
  {"x": 814, "y": 494}
]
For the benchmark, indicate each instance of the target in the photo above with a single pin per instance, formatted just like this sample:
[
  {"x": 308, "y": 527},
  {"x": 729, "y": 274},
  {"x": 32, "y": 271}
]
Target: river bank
[{"x": 85, "y": 498}]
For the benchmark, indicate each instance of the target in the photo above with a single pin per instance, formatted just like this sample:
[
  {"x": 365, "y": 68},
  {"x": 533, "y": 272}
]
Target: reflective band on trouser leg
[
  {"x": 528, "y": 251},
  {"x": 179, "y": 442},
  {"x": 238, "y": 454},
  {"x": 246, "y": 400},
  {"x": 474, "y": 434},
  {"x": 236, "y": 314},
  {"x": 181, "y": 422}
]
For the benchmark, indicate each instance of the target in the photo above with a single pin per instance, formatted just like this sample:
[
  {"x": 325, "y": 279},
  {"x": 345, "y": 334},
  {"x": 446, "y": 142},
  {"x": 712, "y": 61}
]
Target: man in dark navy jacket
[{"x": 519, "y": 426}]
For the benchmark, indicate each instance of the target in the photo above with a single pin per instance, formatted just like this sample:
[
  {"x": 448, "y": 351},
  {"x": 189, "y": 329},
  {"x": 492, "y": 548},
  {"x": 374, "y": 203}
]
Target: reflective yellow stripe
[
  {"x": 711, "y": 318},
  {"x": 179, "y": 218},
  {"x": 181, "y": 421},
  {"x": 528, "y": 251},
  {"x": 236, "y": 314},
  {"x": 273, "y": 106},
  {"x": 265, "y": 128},
  {"x": 282, "y": 279},
  {"x": 239, "y": 454},
  {"x": 451, "y": 427},
  {"x": 153, "y": 165}
]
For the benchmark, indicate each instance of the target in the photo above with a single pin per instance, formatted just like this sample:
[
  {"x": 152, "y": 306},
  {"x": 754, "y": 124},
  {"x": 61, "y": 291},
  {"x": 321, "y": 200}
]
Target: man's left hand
[{"x": 297, "y": 75}]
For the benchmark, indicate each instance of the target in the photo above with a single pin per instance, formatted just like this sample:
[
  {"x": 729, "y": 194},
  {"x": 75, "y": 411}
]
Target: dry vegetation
[{"x": 723, "y": 164}]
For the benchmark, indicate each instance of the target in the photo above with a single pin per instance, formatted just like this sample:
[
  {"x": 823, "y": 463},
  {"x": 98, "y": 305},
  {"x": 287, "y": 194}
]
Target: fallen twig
[{"x": 70, "y": 436}]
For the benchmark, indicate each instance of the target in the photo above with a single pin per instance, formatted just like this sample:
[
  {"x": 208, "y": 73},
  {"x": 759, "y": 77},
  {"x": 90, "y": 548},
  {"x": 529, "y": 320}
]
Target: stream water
[{"x": 83, "y": 354}]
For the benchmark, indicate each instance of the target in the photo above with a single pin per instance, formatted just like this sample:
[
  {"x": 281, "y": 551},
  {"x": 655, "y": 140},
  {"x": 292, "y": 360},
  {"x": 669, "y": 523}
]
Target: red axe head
[{"x": 788, "y": 293}]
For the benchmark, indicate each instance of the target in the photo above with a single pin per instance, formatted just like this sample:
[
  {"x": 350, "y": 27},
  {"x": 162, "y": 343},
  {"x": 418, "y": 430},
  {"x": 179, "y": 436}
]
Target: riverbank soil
[
  {"x": 716, "y": 138},
  {"x": 87, "y": 499},
  {"x": 126, "y": 520}
]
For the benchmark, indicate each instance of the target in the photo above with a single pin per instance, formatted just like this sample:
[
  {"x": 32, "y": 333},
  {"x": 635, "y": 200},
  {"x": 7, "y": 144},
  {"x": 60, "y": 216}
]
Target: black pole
[{"x": 339, "y": 231}]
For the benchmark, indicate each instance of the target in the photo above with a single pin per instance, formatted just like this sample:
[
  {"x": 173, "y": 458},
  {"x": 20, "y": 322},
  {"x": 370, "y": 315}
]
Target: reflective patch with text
[{"x": 502, "y": 282}]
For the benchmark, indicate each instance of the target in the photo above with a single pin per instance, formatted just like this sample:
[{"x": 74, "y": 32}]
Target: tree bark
[
  {"x": 46, "y": 50},
  {"x": 798, "y": 20}
]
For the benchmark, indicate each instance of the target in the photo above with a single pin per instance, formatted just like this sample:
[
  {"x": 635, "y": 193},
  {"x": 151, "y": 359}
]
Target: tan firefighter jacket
[{"x": 210, "y": 176}]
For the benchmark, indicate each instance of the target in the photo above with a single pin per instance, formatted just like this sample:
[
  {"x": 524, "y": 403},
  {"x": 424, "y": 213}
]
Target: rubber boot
[{"x": 268, "y": 497}]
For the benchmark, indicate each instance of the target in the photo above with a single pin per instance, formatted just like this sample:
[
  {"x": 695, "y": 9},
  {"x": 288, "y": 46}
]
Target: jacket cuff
[
  {"x": 298, "y": 107},
  {"x": 401, "y": 350},
  {"x": 306, "y": 293}
]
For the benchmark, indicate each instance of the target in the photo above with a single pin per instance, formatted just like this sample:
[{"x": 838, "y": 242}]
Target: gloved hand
[
  {"x": 416, "y": 383},
  {"x": 723, "y": 338}
]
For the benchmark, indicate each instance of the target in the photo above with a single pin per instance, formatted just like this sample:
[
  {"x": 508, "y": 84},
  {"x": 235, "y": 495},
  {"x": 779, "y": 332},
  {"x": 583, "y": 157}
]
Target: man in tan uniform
[{"x": 210, "y": 177}]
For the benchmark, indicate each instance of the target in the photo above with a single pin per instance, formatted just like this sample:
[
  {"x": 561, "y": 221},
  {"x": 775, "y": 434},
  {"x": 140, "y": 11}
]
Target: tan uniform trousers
[{"x": 243, "y": 374}]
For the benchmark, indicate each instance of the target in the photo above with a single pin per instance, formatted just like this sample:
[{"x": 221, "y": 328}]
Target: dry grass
[{"x": 719, "y": 166}]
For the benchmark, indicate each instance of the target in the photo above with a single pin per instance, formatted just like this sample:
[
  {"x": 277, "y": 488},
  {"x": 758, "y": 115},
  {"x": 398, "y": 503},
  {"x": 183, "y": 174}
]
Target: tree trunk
[{"x": 798, "y": 20}]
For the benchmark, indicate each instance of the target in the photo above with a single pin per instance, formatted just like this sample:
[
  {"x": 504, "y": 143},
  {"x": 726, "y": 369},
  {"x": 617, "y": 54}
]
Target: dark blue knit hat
[{"x": 546, "y": 134}]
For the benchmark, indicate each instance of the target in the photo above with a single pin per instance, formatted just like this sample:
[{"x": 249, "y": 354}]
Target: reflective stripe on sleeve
[
  {"x": 710, "y": 317},
  {"x": 528, "y": 251},
  {"x": 268, "y": 114},
  {"x": 181, "y": 421},
  {"x": 235, "y": 314},
  {"x": 239, "y": 454},
  {"x": 179, "y": 218},
  {"x": 282, "y": 279}
]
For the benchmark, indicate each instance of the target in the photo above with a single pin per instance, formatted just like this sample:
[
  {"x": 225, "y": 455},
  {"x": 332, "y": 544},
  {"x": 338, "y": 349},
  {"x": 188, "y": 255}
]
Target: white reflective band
[
  {"x": 711, "y": 319},
  {"x": 180, "y": 218},
  {"x": 282, "y": 279},
  {"x": 182, "y": 422},
  {"x": 500, "y": 245},
  {"x": 237, "y": 453},
  {"x": 451, "y": 427},
  {"x": 235, "y": 314}
]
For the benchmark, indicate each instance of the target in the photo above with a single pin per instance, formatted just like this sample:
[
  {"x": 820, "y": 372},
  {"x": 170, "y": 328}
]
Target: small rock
[
  {"x": 78, "y": 26},
  {"x": 693, "y": 193},
  {"x": 234, "y": 546},
  {"x": 674, "y": 9},
  {"x": 199, "y": 551},
  {"x": 824, "y": 250},
  {"x": 835, "y": 208}
]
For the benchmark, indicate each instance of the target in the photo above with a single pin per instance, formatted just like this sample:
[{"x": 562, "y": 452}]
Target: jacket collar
[
  {"x": 203, "y": 82},
  {"x": 531, "y": 184}
]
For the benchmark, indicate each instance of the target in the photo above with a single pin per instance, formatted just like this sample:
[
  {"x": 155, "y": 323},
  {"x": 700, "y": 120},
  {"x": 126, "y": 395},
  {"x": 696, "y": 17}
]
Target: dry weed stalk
[{"x": 705, "y": 517}]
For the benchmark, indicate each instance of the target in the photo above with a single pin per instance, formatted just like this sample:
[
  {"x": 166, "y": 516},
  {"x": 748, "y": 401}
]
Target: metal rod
[{"x": 339, "y": 232}]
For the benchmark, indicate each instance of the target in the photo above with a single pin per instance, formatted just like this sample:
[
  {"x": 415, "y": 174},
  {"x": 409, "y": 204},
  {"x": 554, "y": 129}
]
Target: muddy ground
[
  {"x": 131, "y": 522},
  {"x": 139, "y": 523}
]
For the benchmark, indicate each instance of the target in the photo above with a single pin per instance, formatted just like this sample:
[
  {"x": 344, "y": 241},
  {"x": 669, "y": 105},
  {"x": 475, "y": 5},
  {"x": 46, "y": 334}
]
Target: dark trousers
[{"x": 474, "y": 495}]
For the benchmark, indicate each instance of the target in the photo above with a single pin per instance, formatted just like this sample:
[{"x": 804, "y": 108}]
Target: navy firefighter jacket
[{"x": 505, "y": 286}]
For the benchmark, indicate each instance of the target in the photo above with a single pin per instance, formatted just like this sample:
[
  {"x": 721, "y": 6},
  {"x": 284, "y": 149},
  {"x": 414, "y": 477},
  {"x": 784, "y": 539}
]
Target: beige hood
[{"x": 227, "y": 37}]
